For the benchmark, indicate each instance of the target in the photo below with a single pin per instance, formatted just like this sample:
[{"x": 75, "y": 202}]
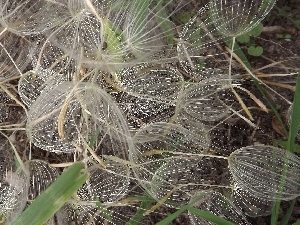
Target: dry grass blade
[
  {"x": 254, "y": 98},
  {"x": 241, "y": 102},
  {"x": 12, "y": 96}
]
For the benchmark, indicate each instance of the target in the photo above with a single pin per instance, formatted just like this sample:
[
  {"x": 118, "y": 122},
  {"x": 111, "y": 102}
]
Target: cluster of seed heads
[{"x": 114, "y": 84}]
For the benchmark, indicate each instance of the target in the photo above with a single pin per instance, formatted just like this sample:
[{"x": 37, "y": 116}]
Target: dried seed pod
[
  {"x": 152, "y": 82},
  {"x": 107, "y": 184},
  {"x": 179, "y": 178},
  {"x": 199, "y": 45},
  {"x": 60, "y": 118},
  {"x": 217, "y": 204},
  {"x": 28, "y": 17},
  {"x": 13, "y": 58},
  {"x": 142, "y": 111},
  {"x": 95, "y": 213},
  {"x": 142, "y": 31},
  {"x": 79, "y": 32},
  {"x": 151, "y": 92},
  {"x": 203, "y": 102},
  {"x": 48, "y": 56},
  {"x": 5, "y": 106},
  {"x": 265, "y": 171},
  {"x": 14, "y": 183},
  {"x": 237, "y": 17},
  {"x": 155, "y": 145},
  {"x": 251, "y": 204},
  {"x": 82, "y": 214},
  {"x": 217, "y": 22},
  {"x": 41, "y": 176},
  {"x": 33, "y": 83}
]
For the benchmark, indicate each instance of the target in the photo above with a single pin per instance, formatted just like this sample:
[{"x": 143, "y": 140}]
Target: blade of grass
[
  {"x": 201, "y": 213},
  {"x": 105, "y": 213},
  {"x": 284, "y": 144},
  {"x": 54, "y": 197},
  {"x": 94, "y": 138},
  {"x": 295, "y": 119},
  {"x": 132, "y": 199},
  {"x": 173, "y": 216},
  {"x": 295, "y": 122},
  {"x": 238, "y": 51},
  {"x": 111, "y": 37},
  {"x": 165, "y": 24},
  {"x": 288, "y": 214},
  {"x": 210, "y": 217},
  {"x": 145, "y": 204}
]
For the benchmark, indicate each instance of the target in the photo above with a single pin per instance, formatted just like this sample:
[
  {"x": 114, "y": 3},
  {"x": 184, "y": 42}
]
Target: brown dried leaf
[{"x": 276, "y": 125}]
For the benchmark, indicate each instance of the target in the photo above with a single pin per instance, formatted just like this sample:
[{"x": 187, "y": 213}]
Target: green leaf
[
  {"x": 288, "y": 36},
  {"x": 163, "y": 21},
  {"x": 256, "y": 31},
  {"x": 196, "y": 34},
  {"x": 94, "y": 138},
  {"x": 238, "y": 51},
  {"x": 112, "y": 37},
  {"x": 54, "y": 197},
  {"x": 282, "y": 11},
  {"x": 284, "y": 144},
  {"x": 296, "y": 21},
  {"x": 243, "y": 38},
  {"x": 295, "y": 123},
  {"x": 183, "y": 17},
  {"x": 295, "y": 118},
  {"x": 297, "y": 223},
  {"x": 255, "y": 51},
  {"x": 210, "y": 217},
  {"x": 201, "y": 213},
  {"x": 140, "y": 12}
]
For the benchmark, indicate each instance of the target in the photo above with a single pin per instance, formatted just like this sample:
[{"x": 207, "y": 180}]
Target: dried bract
[
  {"x": 267, "y": 172},
  {"x": 217, "y": 204}
]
